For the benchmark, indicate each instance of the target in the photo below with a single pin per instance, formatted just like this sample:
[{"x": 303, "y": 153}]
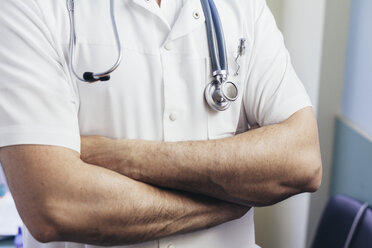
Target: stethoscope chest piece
[
  {"x": 229, "y": 91},
  {"x": 220, "y": 95}
]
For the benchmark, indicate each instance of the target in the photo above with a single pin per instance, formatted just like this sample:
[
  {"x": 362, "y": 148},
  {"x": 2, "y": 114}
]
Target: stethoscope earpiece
[{"x": 90, "y": 78}]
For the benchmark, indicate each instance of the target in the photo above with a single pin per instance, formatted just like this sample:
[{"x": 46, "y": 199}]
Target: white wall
[
  {"x": 301, "y": 21},
  {"x": 276, "y": 7},
  {"x": 302, "y": 26},
  {"x": 331, "y": 83}
]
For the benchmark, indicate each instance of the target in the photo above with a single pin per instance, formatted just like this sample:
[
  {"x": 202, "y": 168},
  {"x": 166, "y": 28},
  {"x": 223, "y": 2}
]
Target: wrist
[
  {"x": 97, "y": 150},
  {"x": 124, "y": 158}
]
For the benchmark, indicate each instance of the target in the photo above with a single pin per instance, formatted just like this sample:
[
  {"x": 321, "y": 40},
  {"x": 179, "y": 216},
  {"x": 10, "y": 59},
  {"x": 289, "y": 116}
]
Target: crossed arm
[
  {"x": 61, "y": 197},
  {"x": 257, "y": 168}
]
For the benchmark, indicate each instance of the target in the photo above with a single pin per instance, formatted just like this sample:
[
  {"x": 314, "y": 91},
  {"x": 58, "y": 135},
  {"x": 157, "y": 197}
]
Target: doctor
[{"x": 156, "y": 166}]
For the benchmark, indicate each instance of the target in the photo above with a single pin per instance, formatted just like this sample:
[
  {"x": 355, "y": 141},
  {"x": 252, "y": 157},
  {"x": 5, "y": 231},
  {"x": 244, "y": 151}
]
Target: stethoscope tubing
[
  {"x": 216, "y": 39},
  {"x": 71, "y": 10},
  {"x": 219, "y": 36},
  {"x": 211, "y": 36},
  {"x": 96, "y": 76}
]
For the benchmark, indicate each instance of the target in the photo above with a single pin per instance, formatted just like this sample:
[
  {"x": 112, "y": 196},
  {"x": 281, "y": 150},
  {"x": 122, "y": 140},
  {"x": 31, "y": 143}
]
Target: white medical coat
[{"x": 155, "y": 94}]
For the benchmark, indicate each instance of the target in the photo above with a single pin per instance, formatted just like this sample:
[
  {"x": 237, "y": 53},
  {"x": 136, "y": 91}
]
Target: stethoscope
[{"x": 219, "y": 94}]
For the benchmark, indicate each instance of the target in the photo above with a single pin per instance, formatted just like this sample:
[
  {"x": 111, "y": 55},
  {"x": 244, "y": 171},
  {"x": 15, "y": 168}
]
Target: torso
[{"x": 157, "y": 93}]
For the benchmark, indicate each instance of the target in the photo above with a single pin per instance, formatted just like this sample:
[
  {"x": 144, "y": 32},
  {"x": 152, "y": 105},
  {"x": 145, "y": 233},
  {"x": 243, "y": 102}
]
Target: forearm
[
  {"x": 96, "y": 206},
  {"x": 259, "y": 167},
  {"x": 124, "y": 211},
  {"x": 254, "y": 168}
]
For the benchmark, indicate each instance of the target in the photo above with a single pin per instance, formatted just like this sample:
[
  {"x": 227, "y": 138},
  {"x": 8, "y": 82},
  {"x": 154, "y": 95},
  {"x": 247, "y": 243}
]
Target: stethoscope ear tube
[
  {"x": 91, "y": 77},
  {"x": 211, "y": 36}
]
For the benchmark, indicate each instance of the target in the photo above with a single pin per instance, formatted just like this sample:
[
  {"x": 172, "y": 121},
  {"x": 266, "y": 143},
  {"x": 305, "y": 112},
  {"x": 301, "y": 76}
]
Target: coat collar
[{"x": 190, "y": 17}]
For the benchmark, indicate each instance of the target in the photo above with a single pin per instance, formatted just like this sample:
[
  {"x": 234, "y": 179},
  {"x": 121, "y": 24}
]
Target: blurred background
[{"x": 330, "y": 45}]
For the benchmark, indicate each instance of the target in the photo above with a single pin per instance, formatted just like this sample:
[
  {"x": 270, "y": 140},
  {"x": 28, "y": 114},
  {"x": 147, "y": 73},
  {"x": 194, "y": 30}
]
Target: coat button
[
  {"x": 173, "y": 116},
  {"x": 169, "y": 46},
  {"x": 196, "y": 15}
]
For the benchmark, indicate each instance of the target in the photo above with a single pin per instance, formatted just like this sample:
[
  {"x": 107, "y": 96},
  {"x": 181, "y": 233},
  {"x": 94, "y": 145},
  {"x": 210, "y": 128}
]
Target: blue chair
[{"x": 346, "y": 223}]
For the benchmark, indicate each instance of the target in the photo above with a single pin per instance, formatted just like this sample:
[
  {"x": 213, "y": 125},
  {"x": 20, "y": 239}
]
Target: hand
[{"x": 108, "y": 153}]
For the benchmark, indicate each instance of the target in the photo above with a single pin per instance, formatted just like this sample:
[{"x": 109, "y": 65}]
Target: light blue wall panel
[
  {"x": 352, "y": 163},
  {"x": 357, "y": 95}
]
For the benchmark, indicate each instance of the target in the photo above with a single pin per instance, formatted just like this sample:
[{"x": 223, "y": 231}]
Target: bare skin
[
  {"x": 256, "y": 168},
  {"x": 61, "y": 198}
]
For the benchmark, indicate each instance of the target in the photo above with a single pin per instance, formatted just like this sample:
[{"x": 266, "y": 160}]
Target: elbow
[
  {"x": 42, "y": 224},
  {"x": 43, "y": 233},
  {"x": 311, "y": 176},
  {"x": 304, "y": 175},
  {"x": 305, "y": 159},
  {"x": 307, "y": 180},
  {"x": 314, "y": 178}
]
